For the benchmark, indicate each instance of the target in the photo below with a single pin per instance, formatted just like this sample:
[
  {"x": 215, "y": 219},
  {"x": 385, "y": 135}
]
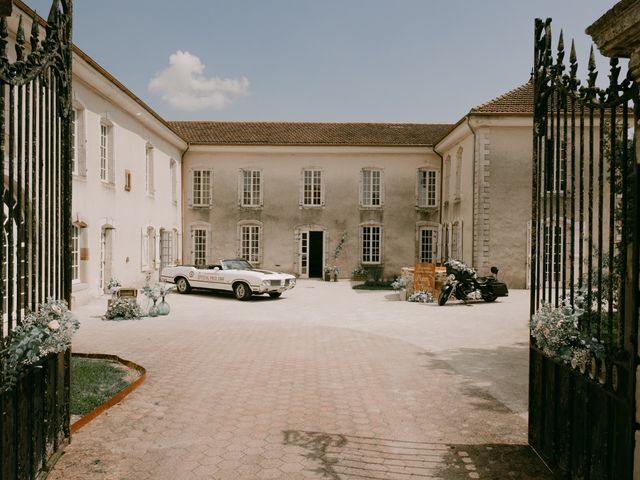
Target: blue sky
[{"x": 321, "y": 60}]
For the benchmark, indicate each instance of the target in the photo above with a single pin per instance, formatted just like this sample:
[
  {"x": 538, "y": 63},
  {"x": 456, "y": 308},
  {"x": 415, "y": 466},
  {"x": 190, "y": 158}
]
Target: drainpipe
[
  {"x": 473, "y": 203},
  {"x": 441, "y": 182},
  {"x": 182, "y": 201}
]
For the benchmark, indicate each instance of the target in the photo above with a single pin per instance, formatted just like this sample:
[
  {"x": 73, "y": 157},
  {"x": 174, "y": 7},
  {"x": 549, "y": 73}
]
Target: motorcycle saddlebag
[{"x": 500, "y": 289}]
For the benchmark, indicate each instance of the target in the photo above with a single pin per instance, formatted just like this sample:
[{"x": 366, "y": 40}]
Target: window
[
  {"x": 250, "y": 243},
  {"x": 371, "y": 239},
  {"x": 553, "y": 252},
  {"x": 447, "y": 178},
  {"x": 428, "y": 241},
  {"x": 458, "y": 192},
  {"x": 74, "y": 141},
  {"x": 166, "y": 248},
  {"x": 106, "y": 153},
  {"x": 371, "y": 192},
  {"x": 75, "y": 254},
  {"x": 427, "y": 188},
  {"x": 251, "y": 188},
  {"x": 554, "y": 168},
  {"x": 199, "y": 246},
  {"x": 201, "y": 188},
  {"x": 173, "y": 174},
  {"x": 312, "y": 188},
  {"x": 149, "y": 170}
]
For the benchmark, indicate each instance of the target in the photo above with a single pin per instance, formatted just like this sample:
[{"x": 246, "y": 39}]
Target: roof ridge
[{"x": 301, "y": 122}]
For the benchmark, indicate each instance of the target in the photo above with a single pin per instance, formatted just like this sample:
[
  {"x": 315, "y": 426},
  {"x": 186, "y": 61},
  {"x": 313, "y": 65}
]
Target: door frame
[{"x": 305, "y": 230}]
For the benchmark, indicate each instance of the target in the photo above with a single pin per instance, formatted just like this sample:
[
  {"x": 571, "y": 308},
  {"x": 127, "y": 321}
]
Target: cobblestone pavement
[{"x": 325, "y": 382}]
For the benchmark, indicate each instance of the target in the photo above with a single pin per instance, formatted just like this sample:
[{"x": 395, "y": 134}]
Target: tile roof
[
  {"x": 309, "y": 133},
  {"x": 518, "y": 100}
]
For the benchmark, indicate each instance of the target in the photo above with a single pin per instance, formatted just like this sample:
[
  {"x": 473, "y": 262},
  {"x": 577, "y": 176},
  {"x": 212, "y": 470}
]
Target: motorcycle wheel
[
  {"x": 489, "y": 297},
  {"x": 445, "y": 293}
]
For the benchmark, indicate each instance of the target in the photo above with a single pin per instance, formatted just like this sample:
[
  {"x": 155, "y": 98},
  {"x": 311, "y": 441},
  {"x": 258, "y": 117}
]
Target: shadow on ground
[
  {"x": 489, "y": 373},
  {"x": 344, "y": 457}
]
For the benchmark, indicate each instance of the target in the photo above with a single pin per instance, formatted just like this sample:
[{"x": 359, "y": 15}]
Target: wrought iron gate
[
  {"x": 35, "y": 245},
  {"x": 584, "y": 260}
]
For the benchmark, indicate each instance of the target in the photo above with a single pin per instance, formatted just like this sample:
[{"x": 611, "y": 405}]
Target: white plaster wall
[
  {"x": 281, "y": 214},
  {"x": 96, "y": 203}
]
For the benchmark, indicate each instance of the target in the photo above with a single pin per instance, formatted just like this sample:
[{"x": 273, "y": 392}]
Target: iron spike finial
[
  {"x": 35, "y": 33},
  {"x": 20, "y": 41},
  {"x": 614, "y": 74},
  {"x": 4, "y": 33},
  {"x": 593, "y": 73}
]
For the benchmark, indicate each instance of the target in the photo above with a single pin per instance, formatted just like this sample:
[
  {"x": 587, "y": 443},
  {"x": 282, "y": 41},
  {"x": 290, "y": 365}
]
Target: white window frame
[
  {"x": 251, "y": 188},
  {"x": 312, "y": 188},
  {"x": 201, "y": 197},
  {"x": 250, "y": 242},
  {"x": 371, "y": 188},
  {"x": 446, "y": 183},
  {"x": 149, "y": 172},
  {"x": 200, "y": 239},
  {"x": 75, "y": 114},
  {"x": 458, "y": 186},
  {"x": 76, "y": 235},
  {"x": 371, "y": 248},
  {"x": 422, "y": 257},
  {"x": 106, "y": 159},
  {"x": 428, "y": 191},
  {"x": 79, "y": 141}
]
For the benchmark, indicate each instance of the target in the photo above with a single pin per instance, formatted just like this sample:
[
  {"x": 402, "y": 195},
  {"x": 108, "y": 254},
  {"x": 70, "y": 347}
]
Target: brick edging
[{"x": 118, "y": 397}]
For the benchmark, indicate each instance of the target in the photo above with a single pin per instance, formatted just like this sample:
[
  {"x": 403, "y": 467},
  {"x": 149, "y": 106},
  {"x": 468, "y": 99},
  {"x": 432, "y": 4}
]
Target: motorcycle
[{"x": 464, "y": 284}]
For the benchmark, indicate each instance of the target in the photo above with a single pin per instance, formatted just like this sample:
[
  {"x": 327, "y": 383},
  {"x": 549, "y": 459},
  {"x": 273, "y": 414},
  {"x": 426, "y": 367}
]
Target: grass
[
  {"x": 93, "y": 382},
  {"x": 375, "y": 285}
]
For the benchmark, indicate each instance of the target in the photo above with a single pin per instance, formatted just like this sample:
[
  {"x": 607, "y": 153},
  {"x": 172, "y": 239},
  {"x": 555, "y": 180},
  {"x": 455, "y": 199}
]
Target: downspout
[
  {"x": 441, "y": 182},
  {"x": 182, "y": 201},
  {"x": 473, "y": 203}
]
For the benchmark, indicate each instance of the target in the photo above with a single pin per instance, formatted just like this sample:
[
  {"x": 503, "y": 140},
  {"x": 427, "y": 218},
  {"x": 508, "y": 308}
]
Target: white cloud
[{"x": 184, "y": 86}]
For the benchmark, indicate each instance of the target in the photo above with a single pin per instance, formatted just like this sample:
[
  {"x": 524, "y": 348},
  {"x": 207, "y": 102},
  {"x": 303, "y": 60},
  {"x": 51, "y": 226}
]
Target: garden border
[{"x": 118, "y": 397}]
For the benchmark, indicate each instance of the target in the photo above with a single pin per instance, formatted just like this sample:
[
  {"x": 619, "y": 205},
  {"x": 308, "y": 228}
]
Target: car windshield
[{"x": 236, "y": 265}]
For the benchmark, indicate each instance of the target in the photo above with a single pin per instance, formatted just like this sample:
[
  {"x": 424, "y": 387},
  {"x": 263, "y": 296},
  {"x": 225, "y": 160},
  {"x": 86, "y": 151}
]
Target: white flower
[
  {"x": 56, "y": 309},
  {"x": 53, "y": 325}
]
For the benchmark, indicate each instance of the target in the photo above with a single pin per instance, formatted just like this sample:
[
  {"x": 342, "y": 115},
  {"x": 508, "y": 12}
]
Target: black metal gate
[
  {"x": 35, "y": 245},
  {"x": 584, "y": 258}
]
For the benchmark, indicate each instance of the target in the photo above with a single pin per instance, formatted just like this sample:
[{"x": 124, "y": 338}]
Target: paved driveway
[{"x": 326, "y": 382}]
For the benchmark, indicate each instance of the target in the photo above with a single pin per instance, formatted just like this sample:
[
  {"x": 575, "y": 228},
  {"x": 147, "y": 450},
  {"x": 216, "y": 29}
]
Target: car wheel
[
  {"x": 445, "y": 293},
  {"x": 183, "y": 285},
  {"x": 242, "y": 291},
  {"x": 275, "y": 294}
]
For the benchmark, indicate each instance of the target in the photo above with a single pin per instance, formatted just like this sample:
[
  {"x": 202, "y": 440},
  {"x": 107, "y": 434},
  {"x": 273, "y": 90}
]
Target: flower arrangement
[
  {"x": 421, "y": 297},
  {"x": 359, "y": 271},
  {"x": 331, "y": 269},
  {"x": 556, "y": 331},
  {"x": 47, "y": 331},
  {"x": 399, "y": 283},
  {"x": 150, "y": 292},
  {"x": 113, "y": 284},
  {"x": 123, "y": 309}
]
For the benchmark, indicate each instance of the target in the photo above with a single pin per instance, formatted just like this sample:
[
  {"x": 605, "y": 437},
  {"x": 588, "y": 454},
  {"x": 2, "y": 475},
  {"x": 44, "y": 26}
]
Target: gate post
[{"x": 617, "y": 34}]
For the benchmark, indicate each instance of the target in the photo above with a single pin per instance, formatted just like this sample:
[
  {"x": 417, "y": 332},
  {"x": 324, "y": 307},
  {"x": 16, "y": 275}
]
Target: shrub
[{"x": 123, "y": 309}]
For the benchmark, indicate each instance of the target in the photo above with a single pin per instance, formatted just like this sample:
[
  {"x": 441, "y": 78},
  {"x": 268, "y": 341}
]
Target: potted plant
[
  {"x": 334, "y": 273},
  {"x": 400, "y": 285},
  {"x": 359, "y": 274},
  {"x": 327, "y": 273}
]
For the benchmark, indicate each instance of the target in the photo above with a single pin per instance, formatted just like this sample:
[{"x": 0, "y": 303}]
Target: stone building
[
  {"x": 283, "y": 195},
  {"x": 486, "y": 191}
]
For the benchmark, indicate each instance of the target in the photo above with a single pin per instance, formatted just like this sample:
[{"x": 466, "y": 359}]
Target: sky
[{"x": 322, "y": 60}]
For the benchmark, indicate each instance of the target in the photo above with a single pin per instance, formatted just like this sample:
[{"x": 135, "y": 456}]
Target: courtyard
[{"x": 326, "y": 382}]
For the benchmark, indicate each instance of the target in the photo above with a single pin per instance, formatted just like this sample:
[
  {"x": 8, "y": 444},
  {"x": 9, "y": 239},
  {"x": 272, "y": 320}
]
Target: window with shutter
[
  {"x": 371, "y": 244},
  {"x": 371, "y": 189},
  {"x": 201, "y": 187},
  {"x": 312, "y": 188}
]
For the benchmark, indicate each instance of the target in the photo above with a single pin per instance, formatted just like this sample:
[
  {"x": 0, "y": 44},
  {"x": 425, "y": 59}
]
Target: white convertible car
[{"x": 237, "y": 276}]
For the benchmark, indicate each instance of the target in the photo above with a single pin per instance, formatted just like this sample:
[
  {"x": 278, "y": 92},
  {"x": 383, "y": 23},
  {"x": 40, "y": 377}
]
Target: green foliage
[
  {"x": 557, "y": 333},
  {"x": 93, "y": 382},
  {"x": 47, "y": 331},
  {"x": 339, "y": 246},
  {"x": 123, "y": 309},
  {"x": 379, "y": 284}
]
